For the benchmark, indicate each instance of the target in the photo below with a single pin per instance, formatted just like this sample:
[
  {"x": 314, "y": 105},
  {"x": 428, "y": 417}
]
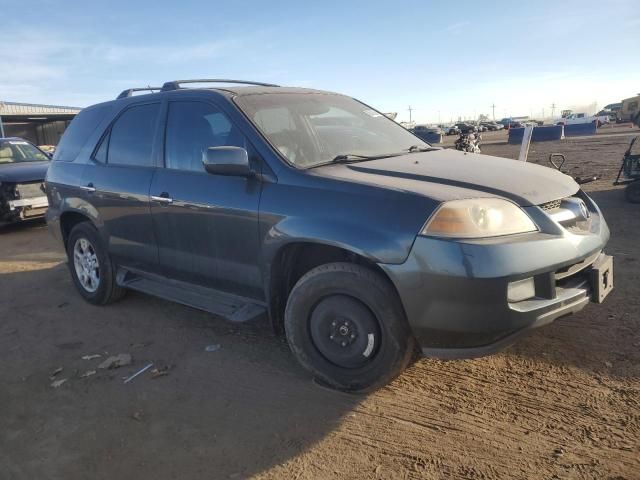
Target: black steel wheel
[{"x": 345, "y": 324}]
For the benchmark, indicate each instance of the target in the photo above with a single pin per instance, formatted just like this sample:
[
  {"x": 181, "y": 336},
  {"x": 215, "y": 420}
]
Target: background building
[{"x": 40, "y": 124}]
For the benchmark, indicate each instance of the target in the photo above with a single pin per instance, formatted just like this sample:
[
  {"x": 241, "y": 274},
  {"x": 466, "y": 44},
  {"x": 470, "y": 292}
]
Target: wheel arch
[{"x": 294, "y": 259}]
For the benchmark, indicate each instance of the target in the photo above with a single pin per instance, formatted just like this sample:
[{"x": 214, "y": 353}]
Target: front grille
[
  {"x": 29, "y": 190},
  {"x": 552, "y": 205}
]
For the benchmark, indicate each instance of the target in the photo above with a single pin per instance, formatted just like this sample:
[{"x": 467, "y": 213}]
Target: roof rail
[
  {"x": 175, "y": 84},
  {"x": 129, "y": 91}
]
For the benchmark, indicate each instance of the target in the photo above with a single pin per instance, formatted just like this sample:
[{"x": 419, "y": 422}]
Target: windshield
[
  {"x": 14, "y": 151},
  {"x": 310, "y": 129}
]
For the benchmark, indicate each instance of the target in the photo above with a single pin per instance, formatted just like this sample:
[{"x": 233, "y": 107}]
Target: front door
[
  {"x": 117, "y": 183},
  {"x": 206, "y": 226}
]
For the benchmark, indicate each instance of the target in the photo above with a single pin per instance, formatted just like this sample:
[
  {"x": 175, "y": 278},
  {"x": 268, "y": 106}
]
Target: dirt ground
[{"x": 563, "y": 402}]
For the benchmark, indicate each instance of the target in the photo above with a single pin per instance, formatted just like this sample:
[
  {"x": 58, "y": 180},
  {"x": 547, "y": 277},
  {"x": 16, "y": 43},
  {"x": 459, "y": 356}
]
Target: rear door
[
  {"x": 206, "y": 225},
  {"x": 117, "y": 183}
]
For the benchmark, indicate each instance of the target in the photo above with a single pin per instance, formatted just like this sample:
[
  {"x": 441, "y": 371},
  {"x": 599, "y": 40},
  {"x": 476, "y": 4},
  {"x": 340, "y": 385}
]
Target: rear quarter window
[{"x": 77, "y": 134}]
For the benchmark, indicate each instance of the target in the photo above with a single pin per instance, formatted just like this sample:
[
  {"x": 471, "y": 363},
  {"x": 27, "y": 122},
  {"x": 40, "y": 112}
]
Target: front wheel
[{"x": 345, "y": 324}]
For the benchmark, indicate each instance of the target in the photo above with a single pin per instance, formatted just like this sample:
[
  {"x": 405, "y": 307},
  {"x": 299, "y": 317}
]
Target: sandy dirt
[{"x": 563, "y": 402}]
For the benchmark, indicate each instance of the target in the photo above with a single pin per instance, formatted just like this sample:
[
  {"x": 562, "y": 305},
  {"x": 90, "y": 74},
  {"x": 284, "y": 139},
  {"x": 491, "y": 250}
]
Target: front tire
[
  {"x": 345, "y": 324},
  {"x": 90, "y": 266}
]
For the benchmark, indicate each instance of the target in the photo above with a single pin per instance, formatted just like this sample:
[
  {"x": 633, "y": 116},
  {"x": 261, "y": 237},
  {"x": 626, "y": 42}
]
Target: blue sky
[{"x": 445, "y": 59}]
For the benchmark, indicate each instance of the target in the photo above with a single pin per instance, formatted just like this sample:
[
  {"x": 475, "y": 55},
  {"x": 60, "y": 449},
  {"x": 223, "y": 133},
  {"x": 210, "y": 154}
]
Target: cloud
[{"x": 457, "y": 27}]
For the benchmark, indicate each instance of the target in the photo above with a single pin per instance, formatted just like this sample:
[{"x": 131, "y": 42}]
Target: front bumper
[{"x": 455, "y": 293}]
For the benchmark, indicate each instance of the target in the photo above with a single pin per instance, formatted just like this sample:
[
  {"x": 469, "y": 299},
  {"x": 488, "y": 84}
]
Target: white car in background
[{"x": 575, "y": 118}]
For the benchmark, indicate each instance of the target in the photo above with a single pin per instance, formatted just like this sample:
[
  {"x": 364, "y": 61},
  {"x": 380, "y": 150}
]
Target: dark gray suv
[{"x": 358, "y": 240}]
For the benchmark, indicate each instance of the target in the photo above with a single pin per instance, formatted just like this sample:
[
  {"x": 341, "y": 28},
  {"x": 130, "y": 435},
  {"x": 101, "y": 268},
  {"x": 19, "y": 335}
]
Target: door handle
[
  {"x": 89, "y": 188},
  {"x": 162, "y": 198}
]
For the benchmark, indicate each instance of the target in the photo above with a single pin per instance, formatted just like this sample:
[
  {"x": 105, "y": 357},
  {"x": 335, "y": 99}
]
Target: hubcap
[
  {"x": 344, "y": 331},
  {"x": 86, "y": 264}
]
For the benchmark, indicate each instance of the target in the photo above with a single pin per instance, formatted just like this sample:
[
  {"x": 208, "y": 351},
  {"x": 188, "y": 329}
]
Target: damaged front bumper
[{"x": 14, "y": 206}]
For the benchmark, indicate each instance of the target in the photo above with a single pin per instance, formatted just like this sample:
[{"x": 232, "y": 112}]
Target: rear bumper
[{"x": 455, "y": 293}]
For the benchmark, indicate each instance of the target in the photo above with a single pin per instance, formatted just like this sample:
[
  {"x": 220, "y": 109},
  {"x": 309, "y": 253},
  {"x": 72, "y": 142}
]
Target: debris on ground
[
  {"x": 141, "y": 345},
  {"x": 58, "y": 383},
  {"x": 142, "y": 370},
  {"x": 116, "y": 361},
  {"x": 160, "y": 372},
  {"x": 91, "y": 357},
  {"x": 212, "y": 348},
  {"x": 608, "y": 364},
  {"x": 137, "y": 416},
  {"x": 55, "y": 372},
  {"x": 63, "y": 304},
  {"x": 88, "y": 373}
]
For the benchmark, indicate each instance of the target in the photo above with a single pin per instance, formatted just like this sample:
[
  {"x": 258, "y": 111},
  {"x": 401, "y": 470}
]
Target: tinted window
[
  {"x": 131, "y": 139},
  {"x": 193, "y": 127},
  {"x": 77, "y": 134}
]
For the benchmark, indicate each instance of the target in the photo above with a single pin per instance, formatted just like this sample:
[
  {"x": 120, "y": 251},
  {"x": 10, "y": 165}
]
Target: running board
[{"x": 230, "y": 307}]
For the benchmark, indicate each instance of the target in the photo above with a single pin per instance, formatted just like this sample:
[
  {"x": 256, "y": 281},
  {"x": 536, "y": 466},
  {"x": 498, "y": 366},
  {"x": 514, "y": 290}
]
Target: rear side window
[
  {"x": 77, "y": 134},
  {"x": 131, "y": 137}
]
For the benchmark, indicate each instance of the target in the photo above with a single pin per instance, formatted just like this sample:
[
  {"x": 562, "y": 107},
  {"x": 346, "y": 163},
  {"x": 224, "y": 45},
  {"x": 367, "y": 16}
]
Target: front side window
[
  {"x": 193, "y": 127},
  {"x": 18, "y": 151},
  {"x": 131, "y": 137},
  {"x": 310, "y": 129}
]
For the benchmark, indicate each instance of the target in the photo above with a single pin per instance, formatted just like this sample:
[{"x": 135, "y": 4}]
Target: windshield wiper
[{"x": 353, "y": 158}]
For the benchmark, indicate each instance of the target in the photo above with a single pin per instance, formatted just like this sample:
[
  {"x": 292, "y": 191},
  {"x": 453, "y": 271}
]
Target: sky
[{"x": 447, "y": 60}]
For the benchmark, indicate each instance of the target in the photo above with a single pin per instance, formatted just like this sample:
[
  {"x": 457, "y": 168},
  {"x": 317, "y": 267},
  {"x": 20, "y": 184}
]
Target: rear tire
[
  {"x": 345, "y": 324},
  {"x": 91, "y": 268}
]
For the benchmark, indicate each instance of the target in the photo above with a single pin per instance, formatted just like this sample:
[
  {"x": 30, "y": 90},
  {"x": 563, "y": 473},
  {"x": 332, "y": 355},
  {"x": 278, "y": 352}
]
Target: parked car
[
  {"x": 508, "y": 123},
  {"x": 492, "y": 126},
  {"x": 464, "y": 127},
  {"x": 22, "y": 170},
  {"x": 452, "y": 130},
  {"x": 357, "y": 239},
  {"x": 427, "y": 129},
  {"x": 578, "y": 118}
]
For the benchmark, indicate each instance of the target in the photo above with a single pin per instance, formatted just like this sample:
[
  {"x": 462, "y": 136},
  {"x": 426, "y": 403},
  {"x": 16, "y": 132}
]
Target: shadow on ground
[{"x": 232, "y": 412}]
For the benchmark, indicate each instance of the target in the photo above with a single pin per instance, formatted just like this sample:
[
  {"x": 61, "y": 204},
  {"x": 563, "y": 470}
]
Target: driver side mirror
[{"x": 232, "y": 161}]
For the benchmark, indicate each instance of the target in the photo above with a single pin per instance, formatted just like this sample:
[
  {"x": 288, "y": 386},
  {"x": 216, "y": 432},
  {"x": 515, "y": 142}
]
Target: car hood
[
  {"x": 446, "y": 174},
  {"x": 21, "y": 172}
]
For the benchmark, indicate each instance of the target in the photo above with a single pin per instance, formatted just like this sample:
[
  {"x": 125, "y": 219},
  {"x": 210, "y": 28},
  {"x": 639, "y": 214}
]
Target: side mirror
[{"x": 232, "y": 161}]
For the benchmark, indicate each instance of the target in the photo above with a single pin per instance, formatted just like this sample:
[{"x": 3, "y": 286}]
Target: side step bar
[{"x": 230, "y": 307}]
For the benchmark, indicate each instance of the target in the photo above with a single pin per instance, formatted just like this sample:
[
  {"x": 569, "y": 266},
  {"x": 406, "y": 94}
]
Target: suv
[{"x": 358, "y": 240}]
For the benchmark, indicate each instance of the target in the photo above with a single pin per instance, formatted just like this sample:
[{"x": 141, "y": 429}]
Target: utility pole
[
  {"x": 410, "y": 110},
  {"x": 493, "y": 111},
  {"x": 553, "y": 109}
]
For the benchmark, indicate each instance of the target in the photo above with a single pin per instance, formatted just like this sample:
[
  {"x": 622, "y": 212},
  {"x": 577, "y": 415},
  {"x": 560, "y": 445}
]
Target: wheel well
[
  {"x": 293, "y": 261},
  {"x": 68, "y": 220}
]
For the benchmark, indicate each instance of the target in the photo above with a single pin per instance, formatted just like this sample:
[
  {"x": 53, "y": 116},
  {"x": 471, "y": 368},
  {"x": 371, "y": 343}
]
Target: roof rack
[
  {"x": 128, "y": 92},
  {"x": 175, "y": 84}
]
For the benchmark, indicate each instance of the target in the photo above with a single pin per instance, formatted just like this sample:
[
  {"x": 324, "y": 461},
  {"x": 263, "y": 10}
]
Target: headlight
[{"x": 478, "y": 218}]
